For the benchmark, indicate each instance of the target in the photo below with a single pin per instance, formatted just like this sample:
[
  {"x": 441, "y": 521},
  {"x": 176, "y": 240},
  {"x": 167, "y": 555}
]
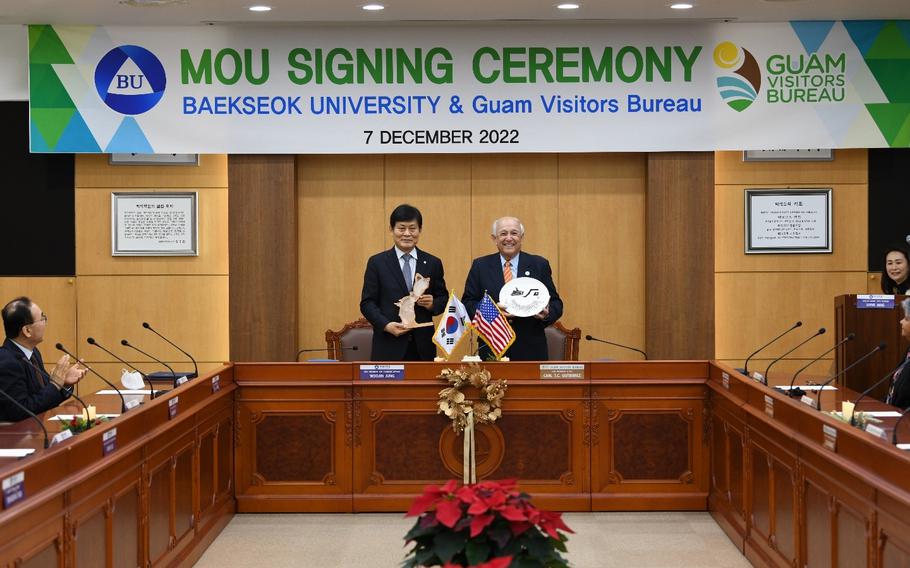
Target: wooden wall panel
[
  {"x": 770, "y": 302},
  {"x": 680, "y": 256},
  {"x": 848, "y": 166},
  {"x": 94, "y": 170},
  {"x": 517, "y": 185},
  {"x": 57, "y": 297},
  {"x": 849, "y": 234},
  {"x": 93, "y": 237},
  {"x": 263, "y": 258},
  {"x": 602, "y": 249},
  {"x": 188, "y": 310},
  {"x": 342, "y": 221}
]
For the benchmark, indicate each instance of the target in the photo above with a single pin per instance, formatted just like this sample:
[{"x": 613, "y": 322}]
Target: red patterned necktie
[{"x": 41, "y": 378}]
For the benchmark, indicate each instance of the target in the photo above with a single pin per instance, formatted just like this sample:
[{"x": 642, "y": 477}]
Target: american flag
[{"x": 492, "y": 326}]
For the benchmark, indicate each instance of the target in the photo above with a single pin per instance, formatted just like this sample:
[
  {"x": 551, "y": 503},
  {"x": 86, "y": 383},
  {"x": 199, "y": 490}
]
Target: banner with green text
[{"x": 490, "y": 88}]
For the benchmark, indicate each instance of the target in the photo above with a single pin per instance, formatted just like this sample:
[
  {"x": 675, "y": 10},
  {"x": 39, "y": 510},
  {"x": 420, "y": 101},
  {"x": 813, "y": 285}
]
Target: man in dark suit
[
  {"x": 389, "y": 277},
  {"x": 22, "y": 373},
  {"x": 490, "y": 273}
]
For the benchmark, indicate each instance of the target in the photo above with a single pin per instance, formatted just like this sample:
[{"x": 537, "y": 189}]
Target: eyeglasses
[{"x": 42, "y": 319}]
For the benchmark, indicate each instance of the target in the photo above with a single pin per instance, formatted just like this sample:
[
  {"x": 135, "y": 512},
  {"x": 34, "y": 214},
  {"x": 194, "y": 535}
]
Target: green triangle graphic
[
  {"x": 890, "y": 44},
  {"x": 51, "y": 122},
  {"x": 891, "y": 120},
  {"x": 48, "y": 48},
  {"x": 34, "y": 32},
  {"x": 45, "y": 89},
  {"x": 893, "y": 76}
]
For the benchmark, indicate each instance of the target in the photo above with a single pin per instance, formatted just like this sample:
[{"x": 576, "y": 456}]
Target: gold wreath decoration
[{"x": 454, "y": 404}]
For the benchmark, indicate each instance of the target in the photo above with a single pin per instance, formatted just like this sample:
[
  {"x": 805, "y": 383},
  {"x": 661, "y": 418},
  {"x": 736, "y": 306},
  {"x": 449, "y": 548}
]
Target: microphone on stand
[
  {"x": 867, "y": 391},
  {"x": 794, "y": 392},
  {"x": 591, "y": 338},
  {"x": 893, "y": 434},
  {"x": 91, "y": 341},
  {"x": 126, "y": 343},
  {"x": 821, "y": 331},
  {"x": 31, "y": 415},
  {"x": 321, "y": 349},
  {"x": 195, "y": 372},
  {"x": 880, "y": 347},
  {"x": 745, "y": 369},
  {"x": 123, "y": 408}
]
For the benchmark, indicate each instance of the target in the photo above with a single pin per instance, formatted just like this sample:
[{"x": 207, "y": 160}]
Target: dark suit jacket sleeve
[
  {"x": 14, "y": 381},
  {"x": 555, "y": 300},
  {"x": 370, "y": 296},
  {"x": 438, "y": 290},
  {"x": 473, "y": 289}
]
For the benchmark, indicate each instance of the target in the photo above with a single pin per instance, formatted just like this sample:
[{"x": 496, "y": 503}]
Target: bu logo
[{"x": 130, "y": 79}]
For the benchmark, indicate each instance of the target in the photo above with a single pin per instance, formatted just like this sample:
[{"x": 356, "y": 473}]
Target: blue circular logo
[{"x": 130, "y": 79}]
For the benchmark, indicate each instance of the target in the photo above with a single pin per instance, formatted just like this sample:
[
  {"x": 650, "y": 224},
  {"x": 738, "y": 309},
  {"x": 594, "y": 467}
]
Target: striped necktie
[{"x": 507, "y": 271}]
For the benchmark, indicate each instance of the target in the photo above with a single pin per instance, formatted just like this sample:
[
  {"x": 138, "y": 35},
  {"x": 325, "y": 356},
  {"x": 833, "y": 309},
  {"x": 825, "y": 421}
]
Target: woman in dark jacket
[{"x": 896, "y": 270}]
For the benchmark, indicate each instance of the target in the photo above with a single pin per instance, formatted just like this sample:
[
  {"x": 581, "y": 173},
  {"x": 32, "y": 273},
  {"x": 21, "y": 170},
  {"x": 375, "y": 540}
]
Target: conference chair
[
  {"x": 562, "y": 343},
  {"x": 354, "y": 334}
]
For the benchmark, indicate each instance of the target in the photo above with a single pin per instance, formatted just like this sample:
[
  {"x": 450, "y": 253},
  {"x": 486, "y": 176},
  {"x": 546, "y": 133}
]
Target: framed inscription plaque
[
  {"x": 154, "y": 224},
  {"x": 788, "y": 221}
]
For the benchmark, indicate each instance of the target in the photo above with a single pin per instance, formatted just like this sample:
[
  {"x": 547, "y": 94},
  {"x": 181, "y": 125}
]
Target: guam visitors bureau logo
[
  {"x": 130, "y": 79},
  {"x": 741, "y": 80}
]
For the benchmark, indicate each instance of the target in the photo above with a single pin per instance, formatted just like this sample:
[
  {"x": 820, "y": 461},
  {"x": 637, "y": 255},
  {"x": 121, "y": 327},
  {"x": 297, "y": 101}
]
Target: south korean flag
[{"x": 452, "y": 325}]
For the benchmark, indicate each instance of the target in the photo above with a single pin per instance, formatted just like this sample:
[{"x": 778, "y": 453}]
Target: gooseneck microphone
[
  {"x": 320, "y": 349},
  {"x": 880, "y": 347},
  {"x": 893, "y": 434},
  {"x": 794, "y": 392},
  {"x": 195, "y": 372},
  {"x": 865, "y": 392},
  {"x": 152, "y": 393},
  {"x": 821, "y": 331},
  {"x": 123, "y": 408},
  {"x": 745, "y": 369},
  {"x": 126, "y": 343},
  {"x": 31, "y": 415},
  {"x": 591, "y": 338}
]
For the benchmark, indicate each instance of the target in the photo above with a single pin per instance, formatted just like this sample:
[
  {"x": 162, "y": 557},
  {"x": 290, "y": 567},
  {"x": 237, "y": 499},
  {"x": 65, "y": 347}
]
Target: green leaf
[
  {"x": 448, "y": 544},
  {"x": 560, "y": 545},
  {"x": 477, "y": 551},
  {"x": 540, "y": 548},
  {"x": 417, "y": 531}
]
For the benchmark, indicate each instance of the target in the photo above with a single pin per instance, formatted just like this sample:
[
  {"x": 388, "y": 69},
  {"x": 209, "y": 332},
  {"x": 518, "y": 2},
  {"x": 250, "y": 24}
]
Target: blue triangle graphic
[
  {"x": 37, "y": 144},
  {"x": 77, "y": 137},
  {"x": 812, "y": 34},
  {"x": 129, "y": 138},
  {"x": 864, "y": 32},
  {"x": 904, "y": 27}
]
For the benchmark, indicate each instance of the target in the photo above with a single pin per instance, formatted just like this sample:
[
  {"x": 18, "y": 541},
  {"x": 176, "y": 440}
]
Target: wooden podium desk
[
  {"x": 788, "y": 493},
  {"x": 159, "y": 498},
  {"x": 626, "y": 436}
]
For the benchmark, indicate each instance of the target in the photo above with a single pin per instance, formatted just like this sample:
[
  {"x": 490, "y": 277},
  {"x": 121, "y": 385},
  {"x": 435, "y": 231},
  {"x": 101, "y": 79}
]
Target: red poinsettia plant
[{"x": 486, "y": 525}]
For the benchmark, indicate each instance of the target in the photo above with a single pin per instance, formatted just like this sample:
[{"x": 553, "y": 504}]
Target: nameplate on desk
[
  {"x": 829, "y": 433},
  {"x": 807, "y": 400},
  {"x": 725, "y": 380},
  {"x": 756, "y": 376},
  {"x": 382, "y": 372},
  {"x": 13, "y": 489},
  {"x": 132, "y": 403},
  {"x": 769, "y": 406},
  {"x": 181, "y": 380},
  {"x": 61, "y": 436},
  {"x": 216, "y": 383},
  {"x": 562, "y": 371},
  {"x": 874, "y": 301},
  {"x": 109, "y": 441},
  {"x": 172, "y": 407},
  {"x": 15, "y": 452},
  {"x": 876, "y": 431}
]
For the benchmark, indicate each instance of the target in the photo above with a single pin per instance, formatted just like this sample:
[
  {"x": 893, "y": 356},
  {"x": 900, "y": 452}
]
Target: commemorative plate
[{"x": 524, "y": 297}]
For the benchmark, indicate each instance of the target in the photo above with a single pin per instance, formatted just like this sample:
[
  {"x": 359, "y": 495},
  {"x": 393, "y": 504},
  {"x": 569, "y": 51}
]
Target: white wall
[{"x": 13, "y": 63}]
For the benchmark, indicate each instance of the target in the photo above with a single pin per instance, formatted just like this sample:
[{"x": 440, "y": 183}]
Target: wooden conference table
[{"x": 650, "y": 435}]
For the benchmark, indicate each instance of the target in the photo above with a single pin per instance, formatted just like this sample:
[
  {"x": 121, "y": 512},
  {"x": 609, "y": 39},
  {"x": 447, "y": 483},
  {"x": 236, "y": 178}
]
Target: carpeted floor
[{"x": 602, "y": 540}]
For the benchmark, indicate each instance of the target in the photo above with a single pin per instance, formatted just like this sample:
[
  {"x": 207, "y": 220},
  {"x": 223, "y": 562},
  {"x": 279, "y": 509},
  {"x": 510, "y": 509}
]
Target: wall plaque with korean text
[
  {"x": 788, "y": 221},
  {"x": 154, "y": 224}
]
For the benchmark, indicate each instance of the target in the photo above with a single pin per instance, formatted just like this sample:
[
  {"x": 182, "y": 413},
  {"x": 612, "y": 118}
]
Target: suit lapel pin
[{"x": 527, "y": 272}]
